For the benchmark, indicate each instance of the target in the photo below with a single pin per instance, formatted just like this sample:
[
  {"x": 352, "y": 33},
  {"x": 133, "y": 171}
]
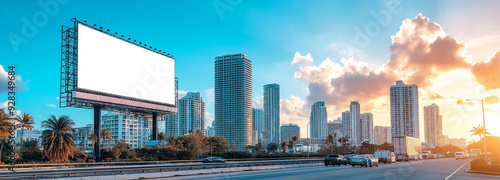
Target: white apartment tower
[
  {"x": 367, "y": 127},
  {"x": 355, "y": 123},
  {"x": 404, "y": 110},
  {"x": 433, "y": 125},
  {"x": 134, "y": 129},
  {"x": 190, "y": 115}
]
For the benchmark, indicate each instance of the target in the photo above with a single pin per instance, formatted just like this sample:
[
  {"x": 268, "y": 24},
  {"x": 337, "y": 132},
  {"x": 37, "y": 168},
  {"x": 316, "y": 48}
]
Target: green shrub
[{"x": 478, "y": 164}]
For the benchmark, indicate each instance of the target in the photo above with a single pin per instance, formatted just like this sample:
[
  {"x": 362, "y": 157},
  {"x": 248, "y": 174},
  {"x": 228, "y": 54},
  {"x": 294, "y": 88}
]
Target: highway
[{"x": 428, "y": 169}]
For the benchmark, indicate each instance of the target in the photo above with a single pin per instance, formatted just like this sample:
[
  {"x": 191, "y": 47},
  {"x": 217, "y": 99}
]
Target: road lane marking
[
  {"x": 340, "y": 173},
  {"x": 457, "y": 170}
]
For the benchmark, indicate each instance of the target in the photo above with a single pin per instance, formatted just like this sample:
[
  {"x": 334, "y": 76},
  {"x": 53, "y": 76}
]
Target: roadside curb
[{"x": 483, "y": 172}]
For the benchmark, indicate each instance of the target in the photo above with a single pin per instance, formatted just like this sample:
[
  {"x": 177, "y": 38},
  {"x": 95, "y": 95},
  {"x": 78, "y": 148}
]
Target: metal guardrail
[
  {"x": 148, "y": 168},
  {"x": 135, "y": 162}
]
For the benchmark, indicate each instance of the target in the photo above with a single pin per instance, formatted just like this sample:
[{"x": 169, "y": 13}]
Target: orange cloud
[
  {"x": 435, "y": 96},
  {"x": 461, "y": 102},
  {"x": 420, "y": 51},
  {"x": 491, "y": 99},
  {"x": 488, "y": 73}
]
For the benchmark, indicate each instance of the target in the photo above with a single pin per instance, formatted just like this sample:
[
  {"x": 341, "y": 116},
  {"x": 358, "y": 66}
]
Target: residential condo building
[
  {"x": 271, "y": 122},
  {"x": 257, "y": 118},
  {"x": 433, "y": 125},
  {"x": 190, "y": 115},
  {"x": 288, "y": 131},
  {"x": 404, "y": 110},
  {"x": 381, "y": 135},
  {"x": 355, "y": 123},
  {"x": 233, "y": 99},
  {"x": 318, "y": 120},
  {"x": 367, "y": 127},
  {"x": 134, "y": 129}
]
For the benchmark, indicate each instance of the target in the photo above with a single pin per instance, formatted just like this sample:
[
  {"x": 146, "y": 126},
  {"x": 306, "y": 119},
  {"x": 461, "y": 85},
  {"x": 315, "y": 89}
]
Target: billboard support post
[
  {"x": 155, "y": 126},
  {"x": 97, "y": 132}
]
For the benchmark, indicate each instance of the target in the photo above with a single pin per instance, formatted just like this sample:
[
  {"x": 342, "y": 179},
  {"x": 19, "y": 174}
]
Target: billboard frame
[{"x": 72, "y": 96}]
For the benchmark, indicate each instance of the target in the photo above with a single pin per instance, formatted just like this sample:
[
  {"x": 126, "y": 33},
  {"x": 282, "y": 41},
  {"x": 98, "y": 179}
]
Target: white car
[{"x": 460, "y": 155}]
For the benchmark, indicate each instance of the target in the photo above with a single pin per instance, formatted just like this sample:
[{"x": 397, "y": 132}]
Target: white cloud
[
  {"x": 258, "y": 102},
  {"x": 181, "y": 94},
  {"x": 298, "y": 59},
  {"x": 210, "y": 94},
  {"x": 20, "y": 85},
  {"x": 52, "y": 105}
]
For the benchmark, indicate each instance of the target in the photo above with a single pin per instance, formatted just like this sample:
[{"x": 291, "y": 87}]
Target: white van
[{"x": 460, "y": 155}]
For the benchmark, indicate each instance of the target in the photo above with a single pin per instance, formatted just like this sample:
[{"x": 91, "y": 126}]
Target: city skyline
[{"x": 303, "y": 79}]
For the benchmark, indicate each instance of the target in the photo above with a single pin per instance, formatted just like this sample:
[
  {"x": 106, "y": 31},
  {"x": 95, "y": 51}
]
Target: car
[
  {"x": 402, "y": 158},
  {"x": 359, "y": 160},
  {"x": 335, "y": 159},
  {"x": 373, "y": 161},
  {"x": 213, "y": 160},
  {"x": 420, "y": 157},
  {"x": 460, "y": 155},
  {"x": 348, "y": 157},
  {"x": 413, "y": 158}
]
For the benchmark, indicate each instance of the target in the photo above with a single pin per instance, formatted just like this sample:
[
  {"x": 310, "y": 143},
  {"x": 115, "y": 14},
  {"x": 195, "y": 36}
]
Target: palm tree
[
  {"x": 344, "y": 141},
  {"x": 479, "y": 131},
  {"x": 283, "y": 146},
  {"x": 106, "y": 136},
  {"x": 330, "y": 141},
  {"x": 93, "y": 138},
  {"x": 25, "y": 122},
  {"x": 56, "y": 138},
  {"x": 171, "y": 141},
  {"x": 295, "y": 139},
  {"x": 291, "y": 144},
  {"x": 162, "y": 136},
  {"x": 4, "y": 125}
]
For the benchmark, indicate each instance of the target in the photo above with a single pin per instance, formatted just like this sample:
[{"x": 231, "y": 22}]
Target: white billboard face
[{"x": 110, "y": 65}]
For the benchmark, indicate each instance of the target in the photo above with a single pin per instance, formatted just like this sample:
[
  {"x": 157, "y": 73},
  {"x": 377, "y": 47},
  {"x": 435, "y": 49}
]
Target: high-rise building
[
  {"x": 335, "y": 126},
  {"x": 367, "y": 127},
  {"x": 433, "y": 125},
  {"x": 134, "y": 129},
  {"x": 355, "y": 123},
  {"x": 271, "y": 122},
  {"x": 257, "y": 118},
  {"x": 209, "y": 132},
  {"x": 82, "y": 134},
  {"x": 190, "y": 115},
  {"x": 318, "y": 120},
  {"x": 458, "y": 142},
  {"x": 381, "y": 135},
  {"x": 288, "y": 131},
  {"x": 233, "y": 99},
  {"x": 346, "y": 125},
  {"x": 404, "y": 110}
]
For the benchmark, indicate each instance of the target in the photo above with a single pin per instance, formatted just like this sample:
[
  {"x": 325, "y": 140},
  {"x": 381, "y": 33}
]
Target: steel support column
[
  {"x": 97, "y": 132},
  {"x": 155, "y": 126}
]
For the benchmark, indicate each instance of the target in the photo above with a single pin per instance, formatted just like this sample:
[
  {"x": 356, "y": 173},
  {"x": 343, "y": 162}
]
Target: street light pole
[{"x": 484, "y": 128}]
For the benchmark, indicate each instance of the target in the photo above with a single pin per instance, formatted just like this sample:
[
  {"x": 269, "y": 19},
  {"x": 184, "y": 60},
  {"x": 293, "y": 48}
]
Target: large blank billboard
[{"x": 111, "y": 65}]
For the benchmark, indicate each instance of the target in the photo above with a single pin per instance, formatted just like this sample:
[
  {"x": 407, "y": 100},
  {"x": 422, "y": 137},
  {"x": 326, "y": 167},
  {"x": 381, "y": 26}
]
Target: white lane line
[{"x": 456, "y": 170}]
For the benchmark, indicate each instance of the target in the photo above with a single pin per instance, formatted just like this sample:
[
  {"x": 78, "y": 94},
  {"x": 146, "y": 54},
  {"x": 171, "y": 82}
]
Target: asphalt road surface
[{"x": 427, "y": 169}]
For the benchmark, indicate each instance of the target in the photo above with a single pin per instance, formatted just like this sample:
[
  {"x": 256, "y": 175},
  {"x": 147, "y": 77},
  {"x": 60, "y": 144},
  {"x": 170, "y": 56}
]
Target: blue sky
[{"x": 268, "y": 32}]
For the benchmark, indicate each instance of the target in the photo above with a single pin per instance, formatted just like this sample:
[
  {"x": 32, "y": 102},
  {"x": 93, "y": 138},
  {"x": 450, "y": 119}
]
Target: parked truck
[{"x": 405, "y": 146}]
